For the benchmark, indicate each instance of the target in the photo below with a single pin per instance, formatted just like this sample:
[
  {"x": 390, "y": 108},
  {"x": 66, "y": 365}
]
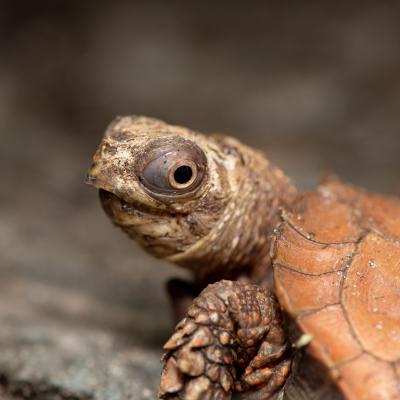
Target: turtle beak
[
  {"x": 92, "y": 176},
  {"x": 100, "y": 177},
  {"x": 90, "y": 179},
  {"x": 96, "y": 177}
]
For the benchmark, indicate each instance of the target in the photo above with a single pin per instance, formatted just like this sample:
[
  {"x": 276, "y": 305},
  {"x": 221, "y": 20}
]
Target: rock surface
[{"x": 48, "y": 357}]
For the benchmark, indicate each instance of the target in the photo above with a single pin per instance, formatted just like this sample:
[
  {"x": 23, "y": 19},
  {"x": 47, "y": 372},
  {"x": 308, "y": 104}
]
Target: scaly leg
[
  {"x": 231, "y": 340},
  {"x": 181, "y": 294}
]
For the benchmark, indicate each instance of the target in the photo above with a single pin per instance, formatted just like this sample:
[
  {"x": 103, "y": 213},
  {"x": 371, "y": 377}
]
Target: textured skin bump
[
  {"x": 343, "y": 242},
  {"x": 231, "y": 340}
]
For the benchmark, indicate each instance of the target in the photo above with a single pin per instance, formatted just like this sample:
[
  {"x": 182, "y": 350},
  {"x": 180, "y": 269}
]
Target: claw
[
  {"x": 230, "y": 328},
  {"x": 171, "y": 378}
]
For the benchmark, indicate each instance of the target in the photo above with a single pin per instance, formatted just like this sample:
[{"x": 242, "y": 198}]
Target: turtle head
[
  {"x": 183, "y": 196},
  {"x": 166, "y": 186}
]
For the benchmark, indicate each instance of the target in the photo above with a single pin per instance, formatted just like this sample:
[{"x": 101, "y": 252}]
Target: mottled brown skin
[
  {"x": 211, "y": 229},
  {"x": 334, "y": 253}
]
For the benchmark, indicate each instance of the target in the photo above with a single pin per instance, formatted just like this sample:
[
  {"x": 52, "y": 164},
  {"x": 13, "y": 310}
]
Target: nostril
[{"x": 90, "y": 179}]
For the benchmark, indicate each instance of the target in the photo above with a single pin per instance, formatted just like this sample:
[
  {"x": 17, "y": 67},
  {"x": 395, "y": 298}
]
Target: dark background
[{"x": 316, "y": 85}]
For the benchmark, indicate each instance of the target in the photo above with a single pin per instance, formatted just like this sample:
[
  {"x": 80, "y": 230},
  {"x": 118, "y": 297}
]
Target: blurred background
[{"x": 316, "y": 85}]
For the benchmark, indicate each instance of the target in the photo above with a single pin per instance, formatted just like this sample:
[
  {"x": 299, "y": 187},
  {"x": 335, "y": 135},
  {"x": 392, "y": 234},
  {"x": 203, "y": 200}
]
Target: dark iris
[{"x": 183, "y": 174}]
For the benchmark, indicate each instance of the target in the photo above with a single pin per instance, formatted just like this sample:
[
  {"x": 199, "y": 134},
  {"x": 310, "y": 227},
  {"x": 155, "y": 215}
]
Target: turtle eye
[{"x": 174, "y": 171}]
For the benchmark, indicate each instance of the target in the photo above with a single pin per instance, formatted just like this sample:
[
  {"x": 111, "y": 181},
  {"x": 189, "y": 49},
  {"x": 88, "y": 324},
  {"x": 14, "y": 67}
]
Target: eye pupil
[{"x": 183, "y": 174}]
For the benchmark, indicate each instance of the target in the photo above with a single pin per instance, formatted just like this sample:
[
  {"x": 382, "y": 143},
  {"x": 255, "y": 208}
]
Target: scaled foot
[{"x": 231, "y": 340}]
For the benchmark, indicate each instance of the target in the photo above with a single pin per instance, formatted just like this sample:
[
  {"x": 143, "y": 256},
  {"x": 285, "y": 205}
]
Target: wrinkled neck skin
[
  {"x": 222, "y": 229},
  {"x": 239, "y": 242}
]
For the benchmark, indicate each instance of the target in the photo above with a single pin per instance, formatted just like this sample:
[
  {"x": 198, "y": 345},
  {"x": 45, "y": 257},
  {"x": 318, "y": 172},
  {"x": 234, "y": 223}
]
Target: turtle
[{"x": 295, "y": 295}]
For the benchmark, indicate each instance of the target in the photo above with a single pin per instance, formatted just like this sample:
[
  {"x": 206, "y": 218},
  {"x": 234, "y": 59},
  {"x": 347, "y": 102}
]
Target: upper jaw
[
  {"x": 90, "y": 180},
  {"x": 98, "y": 177},
  {"x": 93, "y": 176}
]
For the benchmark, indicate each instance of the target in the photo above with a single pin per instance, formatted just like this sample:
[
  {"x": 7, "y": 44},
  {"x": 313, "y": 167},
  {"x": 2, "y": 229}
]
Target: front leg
[
  {"x": 231, "y": 340},
  {"x": 181, "y": 294}
]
